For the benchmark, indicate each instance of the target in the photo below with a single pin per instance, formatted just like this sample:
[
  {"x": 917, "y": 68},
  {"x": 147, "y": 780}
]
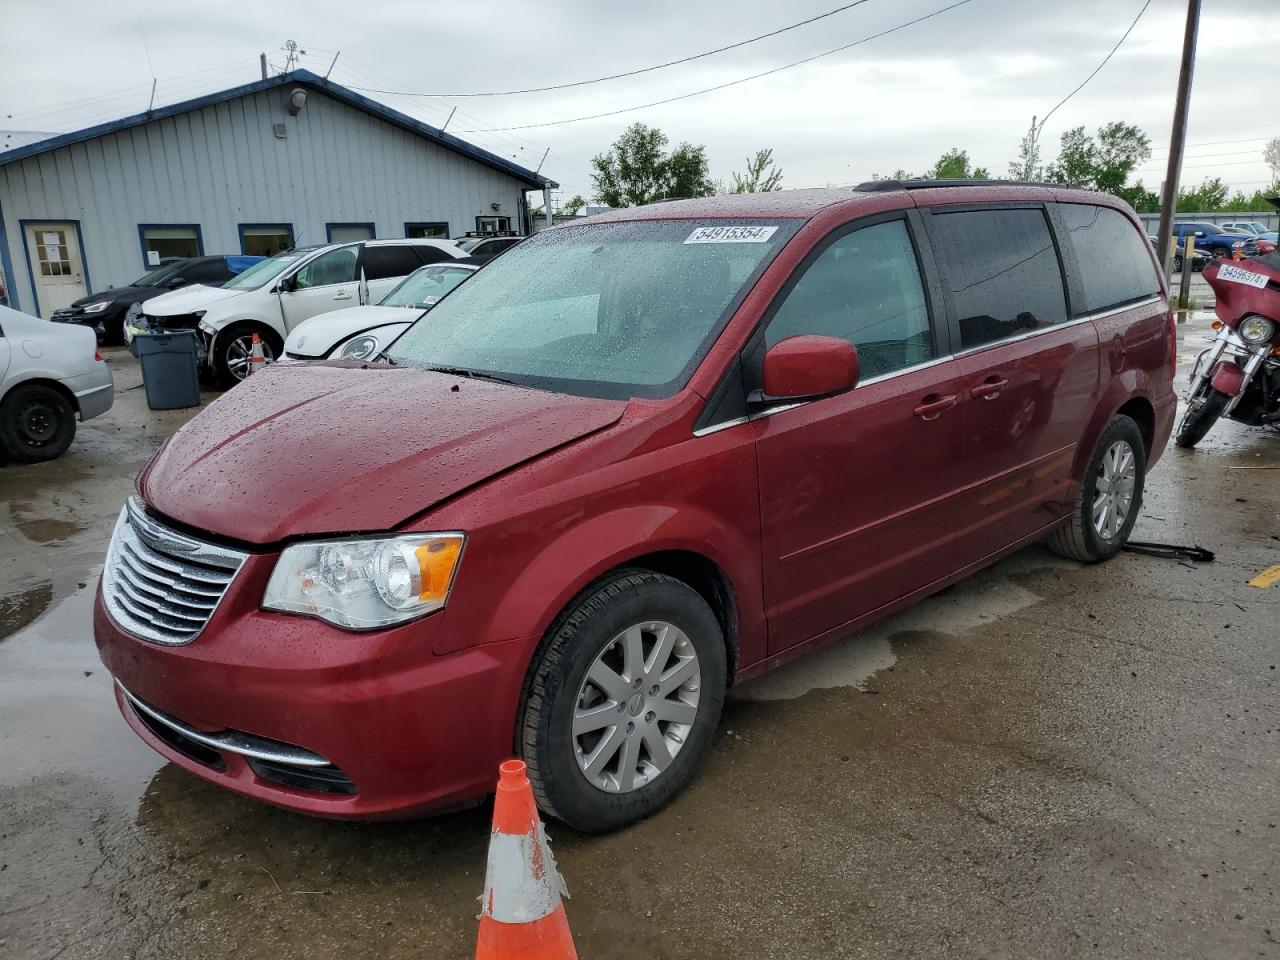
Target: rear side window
[
  {"x": 430, "y": 254},
  {"x": 1113, "y": 258},
  {"x": 1002, "y": 271},
  {"x": 865, "y": 288},
  {"x": 207, "y": 271},
  {"x": 383, "y": 262}
]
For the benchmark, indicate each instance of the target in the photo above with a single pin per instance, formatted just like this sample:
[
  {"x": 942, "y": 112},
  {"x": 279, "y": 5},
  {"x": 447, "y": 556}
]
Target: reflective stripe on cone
[{"x": 521, "y": 915}]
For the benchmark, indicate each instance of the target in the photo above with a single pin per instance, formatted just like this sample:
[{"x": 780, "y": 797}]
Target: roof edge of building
[{"x": 304, "y": 78}]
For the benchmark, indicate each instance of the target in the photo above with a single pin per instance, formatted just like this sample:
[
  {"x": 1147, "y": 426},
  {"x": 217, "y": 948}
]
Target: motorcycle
[{"x": 1238, "y": 375}]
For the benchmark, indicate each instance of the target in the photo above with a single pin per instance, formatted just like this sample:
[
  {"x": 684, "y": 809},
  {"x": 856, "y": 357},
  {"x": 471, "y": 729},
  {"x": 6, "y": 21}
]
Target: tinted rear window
[
  {"x": 1003, "y": 273},
  {"x": 1113, "y": 257},
  {"x": 381, "y": 262}
]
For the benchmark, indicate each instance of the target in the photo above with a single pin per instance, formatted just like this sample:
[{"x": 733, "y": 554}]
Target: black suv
[{"x": 106, "y": 309}]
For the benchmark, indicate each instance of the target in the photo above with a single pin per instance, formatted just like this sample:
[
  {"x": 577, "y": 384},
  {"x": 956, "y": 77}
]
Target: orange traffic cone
[
  {"x": 522, "y": 915},
  {"x": 1236, "y": 254},
  {"x": 257, "y": 359}
]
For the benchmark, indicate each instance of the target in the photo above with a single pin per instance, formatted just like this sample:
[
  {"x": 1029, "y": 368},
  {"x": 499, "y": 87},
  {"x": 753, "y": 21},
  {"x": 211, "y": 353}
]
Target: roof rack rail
[{"x": 921, "y": 183}]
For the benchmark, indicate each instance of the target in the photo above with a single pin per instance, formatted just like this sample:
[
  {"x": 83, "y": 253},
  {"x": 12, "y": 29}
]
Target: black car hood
[{"x": 121, "y": 295}]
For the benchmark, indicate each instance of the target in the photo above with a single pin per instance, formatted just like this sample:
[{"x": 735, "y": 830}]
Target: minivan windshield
[
  {"x": 426, "y": 285},
  {"x": 264, "y": 271},
  {"x": 608, "y": 310}
]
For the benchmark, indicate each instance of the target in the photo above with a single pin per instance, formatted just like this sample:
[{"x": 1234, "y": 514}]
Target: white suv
[{"x": 274, "y": 296}]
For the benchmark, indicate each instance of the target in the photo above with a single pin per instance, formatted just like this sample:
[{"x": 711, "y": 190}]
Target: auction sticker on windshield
[
  {"x": 742, "y": 234},
  {"x": 1236, "y": 275}
]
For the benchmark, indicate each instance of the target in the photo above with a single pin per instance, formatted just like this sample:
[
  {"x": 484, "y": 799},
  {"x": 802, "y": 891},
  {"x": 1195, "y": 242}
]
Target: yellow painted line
[{"x": 1267, "y": 578}]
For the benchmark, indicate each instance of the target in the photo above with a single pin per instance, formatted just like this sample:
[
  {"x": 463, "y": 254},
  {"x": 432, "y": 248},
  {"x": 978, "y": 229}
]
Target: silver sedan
[{"x": 50, "y": 375}]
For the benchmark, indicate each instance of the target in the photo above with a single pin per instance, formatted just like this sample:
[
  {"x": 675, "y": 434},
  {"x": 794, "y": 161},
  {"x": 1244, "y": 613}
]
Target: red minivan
[{"x": 630, "y": 462}]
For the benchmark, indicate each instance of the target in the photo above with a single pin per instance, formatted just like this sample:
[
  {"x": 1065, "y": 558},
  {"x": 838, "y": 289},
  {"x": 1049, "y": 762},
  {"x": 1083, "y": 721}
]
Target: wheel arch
[
  {"x": 1126, "y": 394},
  {"x": 46, "y": 381}
]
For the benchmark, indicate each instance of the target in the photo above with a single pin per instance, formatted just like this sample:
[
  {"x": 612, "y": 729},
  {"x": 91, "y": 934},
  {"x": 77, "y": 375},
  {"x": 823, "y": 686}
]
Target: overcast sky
[{"x": 971, "y": 77}]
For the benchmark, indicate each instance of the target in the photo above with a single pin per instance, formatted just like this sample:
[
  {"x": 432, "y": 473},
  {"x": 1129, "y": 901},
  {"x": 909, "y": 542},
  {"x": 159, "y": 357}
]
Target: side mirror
[
  {"x": 287, "y": 284},
  {"x": 1199, "y": 233},
  {"x": 809, "y": 366},
  {"x": 176, "y": 282}
]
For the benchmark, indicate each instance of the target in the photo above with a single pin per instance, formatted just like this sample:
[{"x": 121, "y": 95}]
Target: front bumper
[{"x": 410, "y": 732}]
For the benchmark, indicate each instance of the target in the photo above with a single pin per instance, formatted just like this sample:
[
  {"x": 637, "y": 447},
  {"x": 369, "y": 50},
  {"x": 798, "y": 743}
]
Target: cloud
[{"x": 972, "y": 77}]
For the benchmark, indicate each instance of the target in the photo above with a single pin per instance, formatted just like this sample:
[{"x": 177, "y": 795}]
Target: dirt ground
[{"x": 1048, "y": 760}]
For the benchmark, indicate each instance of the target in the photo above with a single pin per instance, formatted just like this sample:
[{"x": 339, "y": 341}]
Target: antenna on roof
[
  {"x": 150, "y": 69},
  {"x": 291, "y": 61},
  {"x": 335, "y": 60}
]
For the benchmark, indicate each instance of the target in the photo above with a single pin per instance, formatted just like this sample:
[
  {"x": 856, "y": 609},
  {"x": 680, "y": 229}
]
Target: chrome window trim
[
  {"x": 244, "y": 744},
  {"x": 1086, "y": 318}
]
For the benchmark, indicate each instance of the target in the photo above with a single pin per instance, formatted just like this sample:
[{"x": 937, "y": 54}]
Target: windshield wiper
[{"x": 472, "y": 374}]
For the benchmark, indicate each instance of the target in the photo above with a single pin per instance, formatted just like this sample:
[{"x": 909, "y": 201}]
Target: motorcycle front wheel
[{"x": 1203, "y": 414}]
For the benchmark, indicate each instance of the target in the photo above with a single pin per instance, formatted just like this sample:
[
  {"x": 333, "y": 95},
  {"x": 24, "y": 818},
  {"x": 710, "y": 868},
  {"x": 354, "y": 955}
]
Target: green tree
[
  {"x": 1077, "y": 155},
  {"x": 1121, "y": 147},
  {"x": 955, "y": 165},
  {"x": 571, "y": 206},
  {"x": 637, "y": 170},
  {"x": 1271, "y": 155},
  {"x": 1028, "y": 165},
  {"x": 1210, "y": 196},
  {"x": 762, "y": 174}
]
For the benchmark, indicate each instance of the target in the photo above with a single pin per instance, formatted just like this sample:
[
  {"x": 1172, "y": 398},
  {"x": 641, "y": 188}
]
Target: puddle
[
  {"x": 17, "y": 610},
  {"x": 851, "y": 663}
]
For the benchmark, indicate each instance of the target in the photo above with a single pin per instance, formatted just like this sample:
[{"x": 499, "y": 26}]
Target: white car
[
  {"x": 276, "y": 295},
  {"x": 363, "y": 332},
  {"x": 50, "y": 376},
  {"x": 1255, "y": 227}
]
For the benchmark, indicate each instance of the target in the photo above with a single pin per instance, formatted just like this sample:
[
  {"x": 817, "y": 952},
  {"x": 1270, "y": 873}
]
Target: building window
[
  {"x": 349, "y": 232},
  {"x": 493, "y": 225},
  {"x": 164, "y": 244},
  {"x": 438, "y": 230},
  {"x": 265, "y": 239}
]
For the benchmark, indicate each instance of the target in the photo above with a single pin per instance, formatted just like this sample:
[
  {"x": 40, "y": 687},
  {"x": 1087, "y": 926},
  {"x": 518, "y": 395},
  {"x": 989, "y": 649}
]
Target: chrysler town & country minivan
[{"x": 631, "y": 462}]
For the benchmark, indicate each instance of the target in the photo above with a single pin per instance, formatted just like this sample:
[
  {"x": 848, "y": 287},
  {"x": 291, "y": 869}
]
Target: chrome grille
[{"x": 162, "y": 585}]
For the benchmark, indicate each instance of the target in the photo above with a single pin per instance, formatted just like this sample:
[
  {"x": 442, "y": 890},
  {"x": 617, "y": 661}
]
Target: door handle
[
  {"x": 989, "y": 388},
  {"x": 342, "y": 295},
  {"x": 934, "y": 405}
]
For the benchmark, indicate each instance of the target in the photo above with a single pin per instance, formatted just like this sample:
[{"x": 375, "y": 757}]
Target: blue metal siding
[{"x": 221, "y": 165}]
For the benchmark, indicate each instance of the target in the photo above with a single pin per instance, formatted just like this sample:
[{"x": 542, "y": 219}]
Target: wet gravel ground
[{"x": 1048, "y": 760}]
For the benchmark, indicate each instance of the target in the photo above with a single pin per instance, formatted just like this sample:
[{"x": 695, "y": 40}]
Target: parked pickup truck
[{"x": 1218, "y": 240}]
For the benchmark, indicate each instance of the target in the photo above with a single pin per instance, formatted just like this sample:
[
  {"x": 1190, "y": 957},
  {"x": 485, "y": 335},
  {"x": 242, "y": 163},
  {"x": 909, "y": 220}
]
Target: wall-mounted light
[{"x": 297, "y": 100}]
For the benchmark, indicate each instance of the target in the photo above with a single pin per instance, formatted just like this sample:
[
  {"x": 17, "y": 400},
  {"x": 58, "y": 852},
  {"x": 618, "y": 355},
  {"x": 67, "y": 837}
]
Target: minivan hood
[
  {"x": 326, "y": 448},
  {"x": 187, "y": 300}
]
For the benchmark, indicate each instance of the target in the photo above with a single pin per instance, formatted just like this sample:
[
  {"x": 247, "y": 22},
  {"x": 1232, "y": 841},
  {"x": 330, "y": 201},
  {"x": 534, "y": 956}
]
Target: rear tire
[
  {"x": 560, "y": 734},
  {"x": 1198, "y": 420},
  {"x": 1112, "y": 488},
  {"x": 37, "y": 423}
]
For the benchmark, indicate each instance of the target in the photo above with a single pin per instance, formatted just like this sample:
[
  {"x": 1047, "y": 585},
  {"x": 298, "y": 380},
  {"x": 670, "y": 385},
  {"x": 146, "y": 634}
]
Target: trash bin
[{"x": 169, "y": 370}]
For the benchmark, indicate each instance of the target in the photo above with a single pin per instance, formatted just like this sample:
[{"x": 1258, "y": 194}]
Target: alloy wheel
[
  {"x": 1113, "y": 489},
  {"x": 240, "y": 353},
  {"x": 636, "y": 706}
]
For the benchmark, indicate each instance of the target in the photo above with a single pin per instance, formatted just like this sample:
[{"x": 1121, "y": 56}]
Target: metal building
[{"x": 294, "y": 159}]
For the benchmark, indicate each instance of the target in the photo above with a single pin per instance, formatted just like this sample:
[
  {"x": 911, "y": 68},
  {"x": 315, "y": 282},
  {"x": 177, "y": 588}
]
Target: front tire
[
  {"x": 1200, "y": 418},
  {"x": 623, "y": 701},
  {"x": 1110, "y": 496},
  {"x": 37, "y": 423},
  {"x": 231, "y": 349}
]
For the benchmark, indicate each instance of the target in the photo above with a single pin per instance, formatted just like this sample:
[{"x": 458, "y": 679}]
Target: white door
[
  {"x": 326, "y": 283},
  {"x": 53, "y": 250}
]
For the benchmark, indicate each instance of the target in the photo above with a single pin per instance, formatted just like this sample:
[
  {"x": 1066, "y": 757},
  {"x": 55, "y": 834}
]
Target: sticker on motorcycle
[{"x": 1239, "y": 275}]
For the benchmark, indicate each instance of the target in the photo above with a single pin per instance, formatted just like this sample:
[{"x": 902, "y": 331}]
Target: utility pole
[
  {"x": 1177, "y": 140},
  {"x": 262, "y": 62}
]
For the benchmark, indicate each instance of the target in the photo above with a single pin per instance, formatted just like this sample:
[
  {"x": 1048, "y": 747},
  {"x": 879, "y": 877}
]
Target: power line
[
  {"x": 629, "y": 73},
  {"x": 1096, "y": 69},
  {"x": 731, "y": 83}
]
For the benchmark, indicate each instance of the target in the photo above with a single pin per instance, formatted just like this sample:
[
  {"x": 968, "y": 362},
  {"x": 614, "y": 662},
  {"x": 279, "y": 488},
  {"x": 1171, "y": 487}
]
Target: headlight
[
  {"x": 1256, "y": 330},
  {"x": 368, "y": 583},
  {"x": 208, "y": 328},
  {"x": 200, "y": 313},
  {"x": 361, "y": 348},
  {"x": 97, "y": 307}
]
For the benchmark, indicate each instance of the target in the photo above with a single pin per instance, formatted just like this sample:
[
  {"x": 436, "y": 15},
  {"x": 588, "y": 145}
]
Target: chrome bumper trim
[{"x": 245, "y": 744}]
